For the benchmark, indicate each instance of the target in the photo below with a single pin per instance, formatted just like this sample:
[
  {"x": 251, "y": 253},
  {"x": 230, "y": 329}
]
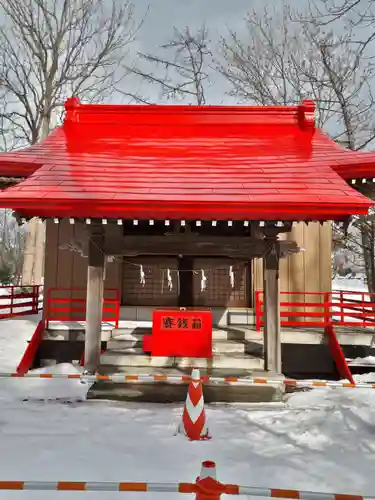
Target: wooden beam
[
  {"x": 272, "y": 337},
  {"x": 94, "y": 301},
  {"x": 244, "y": 248}
]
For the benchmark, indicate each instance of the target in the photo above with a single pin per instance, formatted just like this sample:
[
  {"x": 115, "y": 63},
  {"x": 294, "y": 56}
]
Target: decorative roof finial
[
  {"x": 71, "y": 109},
  {"x": 306, "y": 115}
]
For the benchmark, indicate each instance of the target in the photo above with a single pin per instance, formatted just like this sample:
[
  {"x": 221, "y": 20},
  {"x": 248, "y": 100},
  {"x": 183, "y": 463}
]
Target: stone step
[
  {"x": 217, "y": 334},
  {"x": 176, "y": 393},
  {"x": 116, "y": 358},
  {"x": 165, "y": 370},
  {"x": 164, "y": 392},
  {"x": 135, "y": 346}
]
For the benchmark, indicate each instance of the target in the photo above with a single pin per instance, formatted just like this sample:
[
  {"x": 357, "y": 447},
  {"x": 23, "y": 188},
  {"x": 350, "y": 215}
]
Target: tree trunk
[
  {"x": 32, "y": 269},
  {"x": 368, "y": 240},
  {"x": 33, "y": 264}
]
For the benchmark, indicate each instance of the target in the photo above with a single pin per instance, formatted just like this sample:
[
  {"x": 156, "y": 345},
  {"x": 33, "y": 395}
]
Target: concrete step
[
  {"x": 233, "y": 361},
  {"x": 135, "y": 346},
  {"x": 129, "y": 333},
  {"x": 164, "y": 392},
  {"x": 236, "y": 334},
  {"x": 176, "y": 393},
  {"x": 165, "y": 370}
]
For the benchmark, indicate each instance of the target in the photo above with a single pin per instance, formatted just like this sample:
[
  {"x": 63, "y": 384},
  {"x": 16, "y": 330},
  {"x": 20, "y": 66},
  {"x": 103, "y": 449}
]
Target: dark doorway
[{"x": 186, "y": 285}]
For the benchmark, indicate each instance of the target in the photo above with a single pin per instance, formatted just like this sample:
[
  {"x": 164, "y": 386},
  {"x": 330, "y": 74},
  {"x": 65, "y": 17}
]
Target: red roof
[
  {"x": 348, "y": 164},
  {"x": 356, "y": 165},
  {"x": 185, "y": 162},
  {"x": 18, "y": 165}
]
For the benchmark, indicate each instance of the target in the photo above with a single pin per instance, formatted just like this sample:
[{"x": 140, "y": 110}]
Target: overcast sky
[{"x": 217, "y": 15}]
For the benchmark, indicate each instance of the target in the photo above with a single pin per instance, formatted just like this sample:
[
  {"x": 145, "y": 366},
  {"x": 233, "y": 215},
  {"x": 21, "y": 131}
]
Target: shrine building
[{"x": 184, "y": 206}]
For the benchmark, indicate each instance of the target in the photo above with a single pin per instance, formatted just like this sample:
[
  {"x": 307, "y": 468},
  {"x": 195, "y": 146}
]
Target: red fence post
[
  {"x": 117, "y": 313},
  {"x": 341, "y": 307},
  {"x": 11, "y": 299},
  {"x": 364, "y": 310},
  {"x": 327, "y": 312},
  {"x": 38, "y": 287},
  {"x": 31, "y": 293},
  {"x": 258, "y": 310},
  {"x": 46, "y": 312},
  {"x": 35, "y": 298}
]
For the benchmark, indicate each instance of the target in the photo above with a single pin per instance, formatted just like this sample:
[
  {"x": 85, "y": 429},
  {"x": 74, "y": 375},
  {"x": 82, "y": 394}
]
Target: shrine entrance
[
  {"x": 159, "y": 288},
  {"x": 227, "y": 282},
  {"x": 186, "y": 281}
]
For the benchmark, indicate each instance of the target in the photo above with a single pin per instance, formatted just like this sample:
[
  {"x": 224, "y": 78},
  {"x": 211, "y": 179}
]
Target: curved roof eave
[{"x": 142, "y": 161}]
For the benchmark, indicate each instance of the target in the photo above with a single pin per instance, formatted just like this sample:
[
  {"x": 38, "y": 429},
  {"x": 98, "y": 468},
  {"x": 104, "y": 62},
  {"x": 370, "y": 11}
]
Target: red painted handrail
[
  {"x": 321, "y": 309},
  {"x": 18, "y": 299},
  {"x": 68, "y": 309},
  {"x": 28, "y": 358},
  {"x": 338, "y": 355}
]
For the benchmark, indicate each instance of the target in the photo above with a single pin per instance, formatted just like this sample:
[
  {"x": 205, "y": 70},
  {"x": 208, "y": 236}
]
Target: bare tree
[
  {"x": 11, "y": 247},
  {"x": 282, "y": 60},
  {"x": 348, "y": 75},
  {"x": 356, "y": 13},
  {"x": 358, "y": 18},
  {"x": 50, "y": 50},
  {"x": 285, "y": 58},
  {"x": 185, "y": 73},
  {"x": 273, "y": 63}
]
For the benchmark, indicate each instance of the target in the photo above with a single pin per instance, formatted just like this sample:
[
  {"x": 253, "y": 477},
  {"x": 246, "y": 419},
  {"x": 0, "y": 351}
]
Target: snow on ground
[
  {"x": 322, "y": 440},
  {"x": 356, "y": 285},
  {"x": 5, "y": 293},
  {"x": 14, "y": 334},
  {"x": 368, "y": 360},
  {"x": 346, "y": 284}
]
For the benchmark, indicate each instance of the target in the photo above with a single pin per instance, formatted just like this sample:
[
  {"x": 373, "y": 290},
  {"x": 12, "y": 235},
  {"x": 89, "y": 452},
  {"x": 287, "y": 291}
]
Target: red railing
[
  {"x": 69, "y": 304},
  {"x": 320, "y": 309},
  {"x": 32, "y": 348},
  {"x": 19, "y": 300}
]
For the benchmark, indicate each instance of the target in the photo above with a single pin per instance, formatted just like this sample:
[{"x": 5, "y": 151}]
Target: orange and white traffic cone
[
  {"x": 210, "y": 488},
  {"x": 194, "y": 424}
]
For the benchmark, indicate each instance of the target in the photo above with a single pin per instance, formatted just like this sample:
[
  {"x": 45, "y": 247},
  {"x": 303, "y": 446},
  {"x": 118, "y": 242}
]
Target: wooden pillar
[
  {"x": 94, "y": 300},
  {"x": 271, "y": 287}
]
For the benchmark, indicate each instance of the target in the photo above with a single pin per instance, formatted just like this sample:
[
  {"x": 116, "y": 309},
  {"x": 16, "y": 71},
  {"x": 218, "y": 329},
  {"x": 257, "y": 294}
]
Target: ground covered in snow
[
  {"x": 322, "y": 440},
  {"x": 15, "y": 303},
  {"x": 14, "y": 334}
]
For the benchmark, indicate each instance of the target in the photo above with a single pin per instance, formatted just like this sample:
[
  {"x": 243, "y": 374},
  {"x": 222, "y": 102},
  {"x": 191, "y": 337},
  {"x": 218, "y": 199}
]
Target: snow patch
[
  {"x": 14, "y": 335},
  {"x": 39, "y": 389},
  {"x": 345, "y": 284},
  {"x": 319, "y": 440},
  {"x": 368, "y": 360}
]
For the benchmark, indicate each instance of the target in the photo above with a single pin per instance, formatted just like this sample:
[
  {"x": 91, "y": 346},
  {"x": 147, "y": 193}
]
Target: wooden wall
[
  {"x": 67, "y": 268},
  {"x": 308, "y": 271}
]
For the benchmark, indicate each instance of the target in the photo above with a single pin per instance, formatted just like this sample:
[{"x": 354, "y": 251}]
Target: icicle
[
  {"x": 231, "y": 276},
  {"x": 203, "y": 281},
  {"x": 142, "y": 277},
  {"x": 169, "y": 277}
]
